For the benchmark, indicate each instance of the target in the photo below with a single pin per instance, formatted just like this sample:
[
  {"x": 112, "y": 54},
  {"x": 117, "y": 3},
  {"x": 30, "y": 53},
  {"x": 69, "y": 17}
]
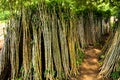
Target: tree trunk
[
  {"x": 71, "y": 45},
  {"x": 81, "y": 31},
  {"x": 93, "y": 38},
  {"x": 64, "y": 48},
  {"x": 56, "y": 48},
  {"x": 112, "y": 56}
]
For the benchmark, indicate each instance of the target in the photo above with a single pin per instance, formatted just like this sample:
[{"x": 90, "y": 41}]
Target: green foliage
[
  {"x": 4, "y": 15},
  {"x": 100, "y": 63},
  {"x": 102, "y": 56},
  {"x": 18, "y": 79},
  {"x": 118, "y": 14},
  {"x": 47, "y": 71},
  {"x": 79, "y": 54},
  {"x": 80, "y": 57},
  {"x": 54, "y": 73},
  {"x": 115, "y": 75},
  {"x": 100, "y": 8},
  {"x": 118, "y": 69}
]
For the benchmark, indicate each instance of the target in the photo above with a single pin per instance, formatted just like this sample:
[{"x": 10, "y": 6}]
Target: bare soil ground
[{"x": 90, "y": 66}]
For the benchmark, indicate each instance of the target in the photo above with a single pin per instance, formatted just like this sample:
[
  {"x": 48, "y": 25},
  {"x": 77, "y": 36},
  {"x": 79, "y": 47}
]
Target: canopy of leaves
[{"x": 103, "y": 8}]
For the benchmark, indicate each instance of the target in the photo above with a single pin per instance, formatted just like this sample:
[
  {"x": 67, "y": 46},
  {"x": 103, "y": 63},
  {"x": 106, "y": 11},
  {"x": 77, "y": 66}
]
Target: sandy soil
[{"x": 90, "y": 66}]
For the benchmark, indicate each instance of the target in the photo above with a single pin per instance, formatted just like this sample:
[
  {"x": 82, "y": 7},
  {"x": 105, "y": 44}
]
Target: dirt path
[{"x": 90, "y": 66}]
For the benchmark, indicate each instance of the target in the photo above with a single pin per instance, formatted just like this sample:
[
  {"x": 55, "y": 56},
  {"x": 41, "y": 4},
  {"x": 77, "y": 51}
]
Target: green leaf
[{"x": 115, "y": 75}]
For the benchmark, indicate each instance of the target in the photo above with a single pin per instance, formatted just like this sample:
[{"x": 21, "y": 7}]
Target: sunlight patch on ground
[
  {"x": 86, "y": 77},
  {"x": 94, "y": 60},
  {"x": 97, "y": 51},
  {"x": 2, "y": 29}
]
